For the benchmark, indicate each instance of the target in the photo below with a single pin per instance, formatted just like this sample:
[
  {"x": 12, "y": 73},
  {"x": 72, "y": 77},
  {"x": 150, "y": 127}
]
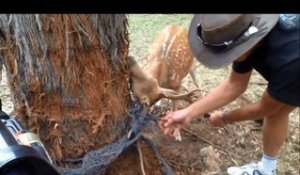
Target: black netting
[{"x": 95, "y": 162}]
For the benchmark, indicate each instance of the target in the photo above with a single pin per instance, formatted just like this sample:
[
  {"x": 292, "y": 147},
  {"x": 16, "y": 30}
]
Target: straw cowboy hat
[{"x": 216, "y": 40}]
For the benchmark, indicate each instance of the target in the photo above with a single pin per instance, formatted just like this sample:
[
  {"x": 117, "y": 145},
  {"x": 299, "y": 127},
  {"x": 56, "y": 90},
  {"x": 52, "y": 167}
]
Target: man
[{"x": 268, "y": 43}]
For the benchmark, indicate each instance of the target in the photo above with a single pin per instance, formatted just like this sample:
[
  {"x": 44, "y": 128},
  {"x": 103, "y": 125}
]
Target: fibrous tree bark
[{"x": 68, "y": 78}]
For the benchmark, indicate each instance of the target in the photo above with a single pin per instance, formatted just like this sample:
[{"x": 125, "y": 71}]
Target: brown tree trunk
[{"x": 68, "y": 77}]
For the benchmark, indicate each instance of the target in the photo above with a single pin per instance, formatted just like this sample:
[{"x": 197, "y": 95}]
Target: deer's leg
[
  {"x": 193, "y": 75},
  {"x": 1, "y": 66},
  {"x": 0, "y": 74}
]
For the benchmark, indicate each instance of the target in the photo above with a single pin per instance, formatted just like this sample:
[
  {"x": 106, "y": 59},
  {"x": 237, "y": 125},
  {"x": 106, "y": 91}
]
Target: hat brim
[{"x": 215, "y": 60}]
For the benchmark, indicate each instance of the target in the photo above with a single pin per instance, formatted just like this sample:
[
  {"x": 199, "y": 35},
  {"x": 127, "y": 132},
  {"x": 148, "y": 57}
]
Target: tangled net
[{"x": 95, "y": 162}]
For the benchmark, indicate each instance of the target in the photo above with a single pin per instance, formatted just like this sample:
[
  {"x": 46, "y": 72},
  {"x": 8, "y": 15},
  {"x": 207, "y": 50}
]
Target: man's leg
[
  {"x": 275, "y": 130},
  {"x": 274, "y": 134}
]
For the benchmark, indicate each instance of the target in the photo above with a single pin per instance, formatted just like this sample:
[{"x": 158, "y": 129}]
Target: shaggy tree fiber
[{"x": 68, "y": 78}]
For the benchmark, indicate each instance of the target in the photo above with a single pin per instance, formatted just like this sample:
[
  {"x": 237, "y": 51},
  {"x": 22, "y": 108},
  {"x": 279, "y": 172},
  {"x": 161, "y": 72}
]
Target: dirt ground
[{"x": 235, "y": 144}]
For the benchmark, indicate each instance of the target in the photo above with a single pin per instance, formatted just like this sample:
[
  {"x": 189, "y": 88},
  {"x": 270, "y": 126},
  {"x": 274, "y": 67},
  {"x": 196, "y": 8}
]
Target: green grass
[{"x": 143, "y": 29}]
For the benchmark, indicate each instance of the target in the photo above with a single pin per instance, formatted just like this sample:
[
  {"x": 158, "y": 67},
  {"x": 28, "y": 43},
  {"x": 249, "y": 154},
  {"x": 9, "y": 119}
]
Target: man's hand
[
  {"x": 216, "y": 119},
  {"x": 173, "y": 122}
]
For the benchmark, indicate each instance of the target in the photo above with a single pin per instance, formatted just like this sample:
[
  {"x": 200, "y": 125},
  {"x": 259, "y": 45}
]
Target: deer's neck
[{"x": 136, "y": 71}]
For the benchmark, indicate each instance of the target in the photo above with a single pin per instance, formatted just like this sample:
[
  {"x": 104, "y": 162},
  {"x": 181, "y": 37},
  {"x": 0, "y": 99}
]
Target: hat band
[{"x": 227, "y": 44}]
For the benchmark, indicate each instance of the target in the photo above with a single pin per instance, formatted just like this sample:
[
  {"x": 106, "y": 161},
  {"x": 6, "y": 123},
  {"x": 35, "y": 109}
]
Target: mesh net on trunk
[{"x": 95, "y": 162}]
